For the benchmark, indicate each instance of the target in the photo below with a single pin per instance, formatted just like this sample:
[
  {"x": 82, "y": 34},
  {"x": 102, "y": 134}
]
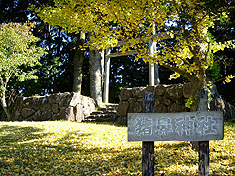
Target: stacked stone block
[
  {"x": 60, "y": 106},
  {"x": 168, "y": 98}
]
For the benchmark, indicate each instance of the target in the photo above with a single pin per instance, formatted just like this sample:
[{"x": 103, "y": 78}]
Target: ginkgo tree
[
  {"x": 189, "y": 54},
  {"x": 17, "y": 50}
]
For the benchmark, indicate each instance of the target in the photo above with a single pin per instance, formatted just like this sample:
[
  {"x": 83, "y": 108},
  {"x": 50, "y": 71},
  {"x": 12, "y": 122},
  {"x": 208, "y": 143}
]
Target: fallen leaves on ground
[{"x": 69, "y": 148}]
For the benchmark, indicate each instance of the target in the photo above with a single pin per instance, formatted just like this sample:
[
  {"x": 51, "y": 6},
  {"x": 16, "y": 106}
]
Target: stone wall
[
  {"x": 60, "y": 106},
  {"x": 168, "y": 98}
]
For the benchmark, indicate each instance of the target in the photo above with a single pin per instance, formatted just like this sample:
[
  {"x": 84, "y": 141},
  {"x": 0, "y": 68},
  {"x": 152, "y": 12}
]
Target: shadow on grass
[
  {"x": 24, "y": 152},
  {"x": 19, "y": 133},
  {"x": 10, "y": 136}
]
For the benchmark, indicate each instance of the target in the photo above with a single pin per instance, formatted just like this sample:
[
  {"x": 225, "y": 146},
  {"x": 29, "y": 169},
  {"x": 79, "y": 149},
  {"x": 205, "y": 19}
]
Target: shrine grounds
[{"x": 70, "y": 148}]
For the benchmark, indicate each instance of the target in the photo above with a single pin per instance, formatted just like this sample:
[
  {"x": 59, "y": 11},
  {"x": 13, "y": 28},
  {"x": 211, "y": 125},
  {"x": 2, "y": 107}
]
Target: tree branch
[{"x": 180, "y": 71}]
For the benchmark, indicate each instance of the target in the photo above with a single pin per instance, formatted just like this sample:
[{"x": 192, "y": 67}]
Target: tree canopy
[
  {"x": 17, "y": 51},
  {"x": 189, "y": 54}
]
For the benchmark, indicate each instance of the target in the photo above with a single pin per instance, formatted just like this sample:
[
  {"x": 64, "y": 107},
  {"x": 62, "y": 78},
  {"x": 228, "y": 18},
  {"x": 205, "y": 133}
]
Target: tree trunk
[
  {"x": 78, "y": 64},
  {"x": 2, "y": 116},
  {"x": 96, "y": 63},
  {"x": 4, "y": 105}
]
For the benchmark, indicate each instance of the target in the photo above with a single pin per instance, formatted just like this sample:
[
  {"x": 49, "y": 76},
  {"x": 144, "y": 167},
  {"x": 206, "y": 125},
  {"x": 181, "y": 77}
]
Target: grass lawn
[{"x": 70, "y": 148}]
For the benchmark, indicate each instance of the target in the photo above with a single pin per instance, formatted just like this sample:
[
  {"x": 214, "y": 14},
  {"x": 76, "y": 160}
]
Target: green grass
[{"x": 69, "y": 148}]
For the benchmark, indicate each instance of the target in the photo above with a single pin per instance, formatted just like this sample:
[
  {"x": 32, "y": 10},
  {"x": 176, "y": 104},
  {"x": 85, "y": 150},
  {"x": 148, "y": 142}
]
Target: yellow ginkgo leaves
[{"x": 69, "y": 148}]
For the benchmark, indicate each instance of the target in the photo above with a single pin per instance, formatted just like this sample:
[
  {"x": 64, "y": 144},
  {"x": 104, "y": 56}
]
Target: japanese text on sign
[{"x": 175, "y": 126}]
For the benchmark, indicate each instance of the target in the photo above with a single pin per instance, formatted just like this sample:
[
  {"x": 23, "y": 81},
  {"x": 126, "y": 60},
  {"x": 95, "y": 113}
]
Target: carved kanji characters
[
  {"x": 143, "y": 126},
  {"x": 205, "y": 126},
  {"x": 163, "y": 126},
  {"x": 184, "y": 125}
]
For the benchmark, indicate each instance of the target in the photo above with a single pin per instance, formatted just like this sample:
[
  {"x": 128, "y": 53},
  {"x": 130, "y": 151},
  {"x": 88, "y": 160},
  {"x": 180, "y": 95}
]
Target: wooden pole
[
  {"x": 148, "y": 147},
  {"x": 203, "y": 158},
  {"x": 153, "y": 68},
  {"x": 203, "y": 167},
  {"x": 148, "y": 158},
  {"x": 106, "y": 78},
  {"x": 156, "y": 74},
  {"x": 152, "y": 49},
  {"x": 151, "y": 74},
  {"x": 151, "y": 65}
]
